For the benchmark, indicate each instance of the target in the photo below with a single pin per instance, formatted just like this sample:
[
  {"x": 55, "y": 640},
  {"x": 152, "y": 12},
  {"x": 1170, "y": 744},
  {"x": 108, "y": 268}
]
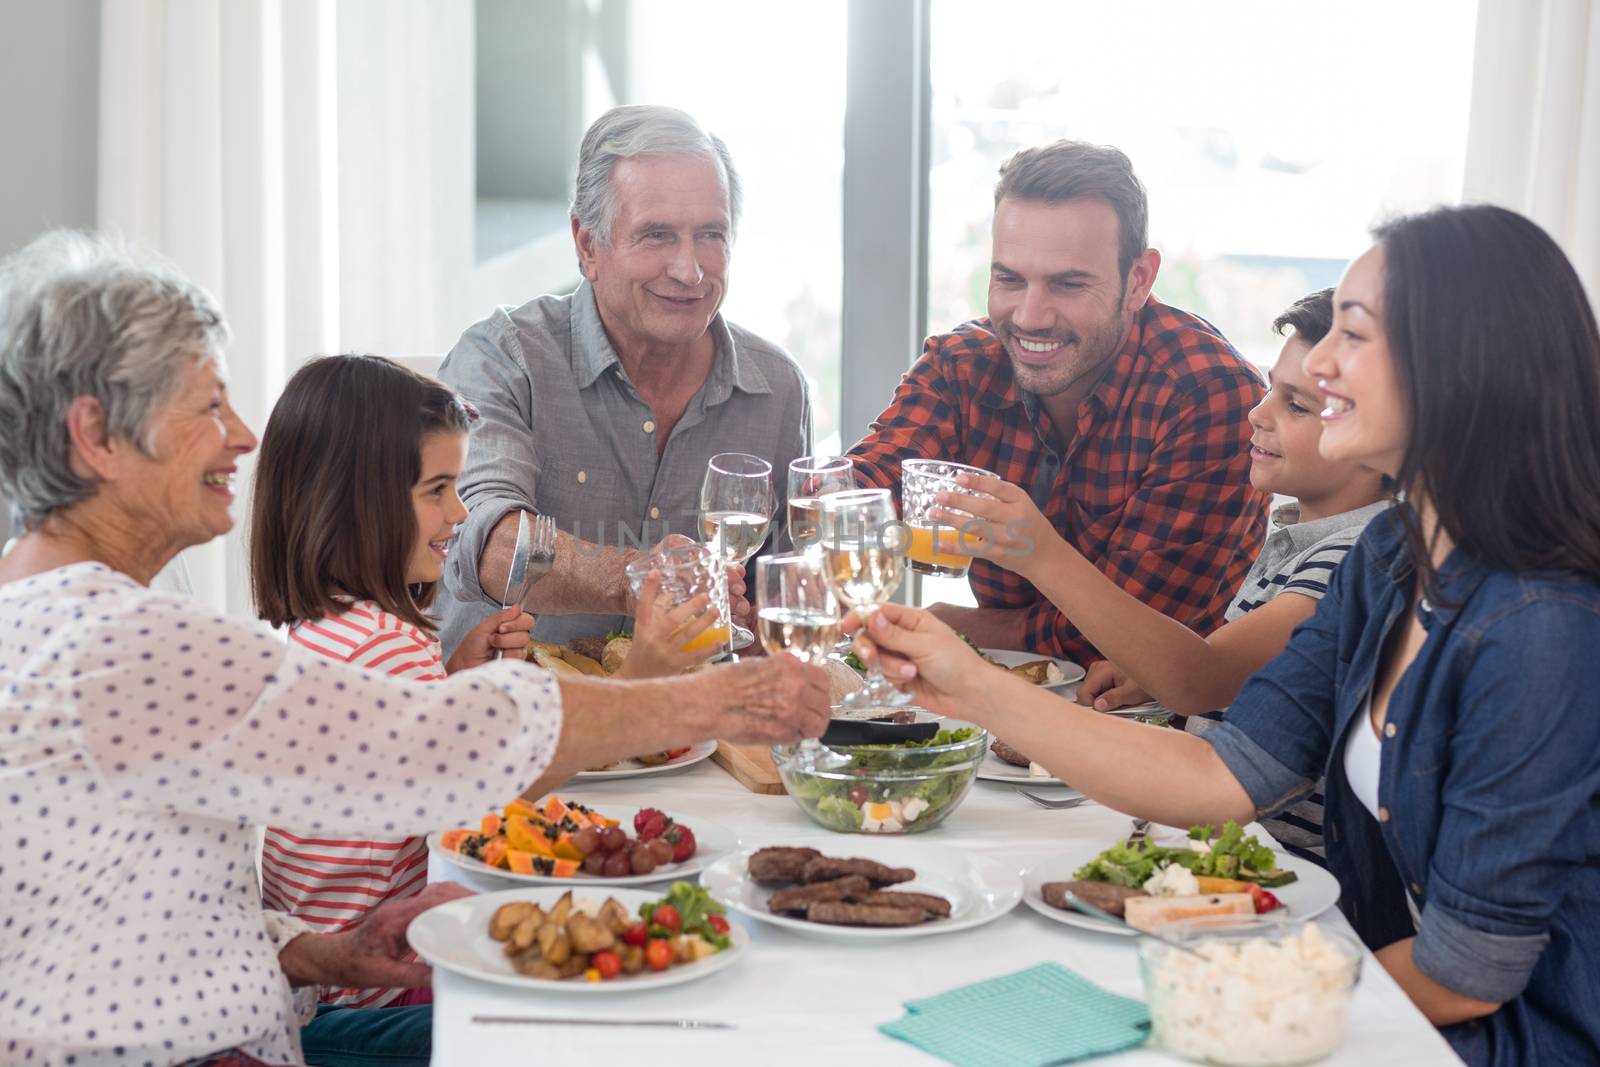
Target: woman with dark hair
[{"x": 1446, "y": 684}]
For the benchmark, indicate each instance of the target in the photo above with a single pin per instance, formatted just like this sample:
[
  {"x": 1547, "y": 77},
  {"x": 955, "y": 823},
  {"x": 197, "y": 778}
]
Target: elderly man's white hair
[
  {"x": 82, "y": 315},
  {"x": 641, "y": 130}
]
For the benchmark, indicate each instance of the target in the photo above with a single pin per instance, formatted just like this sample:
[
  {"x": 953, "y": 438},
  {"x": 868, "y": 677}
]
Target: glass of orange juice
[
  {"x": 688, "y": 571},
  {"x": 935, "y": 548}
]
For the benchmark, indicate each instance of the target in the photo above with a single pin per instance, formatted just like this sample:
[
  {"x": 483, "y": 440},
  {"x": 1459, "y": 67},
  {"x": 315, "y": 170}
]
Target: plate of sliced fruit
[
  {"x": 673, "y": 759},
  {"x": 550, "y": 941},
  {"x": 560, "y": 841}
]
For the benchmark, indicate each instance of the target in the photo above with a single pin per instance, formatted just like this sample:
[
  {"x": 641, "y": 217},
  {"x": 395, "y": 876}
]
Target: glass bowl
[
  {"x": 883, "y": 789},
  {"x": 1271, "y": 992}
]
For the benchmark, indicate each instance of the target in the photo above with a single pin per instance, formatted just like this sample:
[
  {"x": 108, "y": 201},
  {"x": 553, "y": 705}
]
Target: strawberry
[
  {"x": 650, "y": 823},
  {"x": 682, "y": 840}
]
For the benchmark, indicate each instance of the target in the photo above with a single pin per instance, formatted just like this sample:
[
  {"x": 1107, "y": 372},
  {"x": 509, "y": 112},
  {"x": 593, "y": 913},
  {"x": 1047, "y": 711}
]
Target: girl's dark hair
[
  {"x": 1498, "y": 355},
  {"x": 332, "y": 506}
]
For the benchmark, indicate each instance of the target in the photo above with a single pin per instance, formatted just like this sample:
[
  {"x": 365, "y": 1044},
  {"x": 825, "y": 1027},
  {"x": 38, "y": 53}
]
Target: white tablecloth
[{"x": 800, "y": 1000}]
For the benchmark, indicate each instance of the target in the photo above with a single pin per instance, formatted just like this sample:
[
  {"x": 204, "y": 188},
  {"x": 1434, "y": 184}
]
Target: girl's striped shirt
[{"x": 334, "y": 881}]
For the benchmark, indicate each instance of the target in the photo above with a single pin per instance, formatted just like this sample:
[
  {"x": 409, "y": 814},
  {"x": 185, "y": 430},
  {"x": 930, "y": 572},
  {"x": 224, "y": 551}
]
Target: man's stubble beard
[{"x": 1094, "y": 354}]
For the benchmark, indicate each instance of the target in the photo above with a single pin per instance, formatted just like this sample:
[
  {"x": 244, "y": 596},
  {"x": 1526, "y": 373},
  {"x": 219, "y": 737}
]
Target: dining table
[{"x": 798, "y": 998}]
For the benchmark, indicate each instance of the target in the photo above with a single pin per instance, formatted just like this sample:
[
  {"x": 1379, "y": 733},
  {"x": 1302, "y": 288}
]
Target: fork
[
  {"x": 1054, "y": 805},
  {"x": 543, "y": 554}
]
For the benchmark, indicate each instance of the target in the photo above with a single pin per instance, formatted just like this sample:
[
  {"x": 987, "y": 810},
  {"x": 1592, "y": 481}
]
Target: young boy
[{"x": 1151, "y": 656}]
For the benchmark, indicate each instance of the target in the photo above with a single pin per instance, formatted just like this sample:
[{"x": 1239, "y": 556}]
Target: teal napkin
[{"x": 1045, "y": 1014}]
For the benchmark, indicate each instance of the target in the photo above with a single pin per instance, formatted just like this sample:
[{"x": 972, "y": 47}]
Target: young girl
[
  {"x": 1446, "y": 683},
  {"x": 354, "y": 511}
]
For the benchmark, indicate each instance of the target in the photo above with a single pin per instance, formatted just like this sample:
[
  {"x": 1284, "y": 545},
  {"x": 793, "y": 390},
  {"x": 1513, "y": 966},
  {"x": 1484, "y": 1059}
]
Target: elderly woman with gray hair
[{"x": 141, "y": 734}]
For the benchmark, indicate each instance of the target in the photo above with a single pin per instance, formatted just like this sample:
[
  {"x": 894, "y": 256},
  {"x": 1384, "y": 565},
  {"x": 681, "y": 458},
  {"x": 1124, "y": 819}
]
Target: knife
[
  {"x": 866, "y": 732},
  {"x": 517, "y": 577},
  {"x": 537, "y": 1020}
]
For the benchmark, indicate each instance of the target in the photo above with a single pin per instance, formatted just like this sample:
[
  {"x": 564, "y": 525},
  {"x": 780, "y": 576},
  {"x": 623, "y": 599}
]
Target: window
[
  {"x": 1270, "y": 137},
  {"x": 769, "y": 83}
]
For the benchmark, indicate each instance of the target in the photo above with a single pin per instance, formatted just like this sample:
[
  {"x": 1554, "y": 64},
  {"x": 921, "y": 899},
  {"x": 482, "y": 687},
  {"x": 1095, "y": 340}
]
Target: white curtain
[
  {"x": 1533, "y": 142},
  {"x": 279, "y": 152}
]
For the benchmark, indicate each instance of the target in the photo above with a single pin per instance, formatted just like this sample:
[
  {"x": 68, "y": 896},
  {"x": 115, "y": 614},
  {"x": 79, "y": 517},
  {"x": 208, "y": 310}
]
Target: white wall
[{"x": 49, "y": 103}]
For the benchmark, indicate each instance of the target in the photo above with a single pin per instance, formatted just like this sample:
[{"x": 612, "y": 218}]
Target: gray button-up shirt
[{"x": 564, "y": 433}]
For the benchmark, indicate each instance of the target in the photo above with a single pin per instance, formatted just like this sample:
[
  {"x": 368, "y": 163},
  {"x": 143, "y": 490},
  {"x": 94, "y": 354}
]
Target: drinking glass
[
  {"x": 795, "y": 611},
  {"x": 810, "y": 479},
  {"x": 935, "y": 548},
  {"x": 736, "y": 506},
  {"x": 688, "y": 571},
  {"x": 863, "y": 550}
]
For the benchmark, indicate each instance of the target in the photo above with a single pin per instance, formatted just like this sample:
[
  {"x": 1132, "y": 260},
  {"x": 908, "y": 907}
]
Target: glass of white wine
[
  {"x": 736, "y": 507},
  {"x": 796, "y": 613},
  {"x": 863, "y": 558},
  {"x": 810, "y": 479}
]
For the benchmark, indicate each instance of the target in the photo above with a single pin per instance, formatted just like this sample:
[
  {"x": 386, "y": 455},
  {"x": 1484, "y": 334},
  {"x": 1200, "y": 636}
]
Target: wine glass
[
  {"x": 935, "y": 548},
  {"x": 810, "y": 479},
  {"x": 863, "y": 556},
  {"x": 795, "y": 611},
  {"x": 736, "y": 507}
]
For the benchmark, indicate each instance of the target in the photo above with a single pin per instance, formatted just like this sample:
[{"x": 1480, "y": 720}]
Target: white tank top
[{"x": 1363, "y": 754}]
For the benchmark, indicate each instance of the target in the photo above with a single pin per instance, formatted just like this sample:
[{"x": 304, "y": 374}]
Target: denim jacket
[{"x": 1488, "y": 791}]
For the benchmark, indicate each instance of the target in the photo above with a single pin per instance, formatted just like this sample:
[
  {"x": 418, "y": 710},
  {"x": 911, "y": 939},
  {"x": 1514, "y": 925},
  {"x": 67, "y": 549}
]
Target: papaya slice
[
  {"x": 565, "y": 868},
  {"x": 554, "y": 809},
  {"x": 494, "y": 853},
  {"x": 519, "y": 861},
  {"x": 451, "y": 839},
  {"x": 491, "y": 825},
  {"x": 527, "y": 836},
  {"x": 566, "y": 850}
]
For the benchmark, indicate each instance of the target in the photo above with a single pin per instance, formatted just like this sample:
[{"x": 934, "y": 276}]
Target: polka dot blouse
[{"x": 141, "y": 737}]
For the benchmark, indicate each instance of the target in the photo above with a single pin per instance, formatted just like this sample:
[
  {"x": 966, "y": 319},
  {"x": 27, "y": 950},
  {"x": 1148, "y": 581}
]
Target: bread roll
[
  {"x": 552, "y": 661},
  {"x": 1149, "y": 913},
  {"x": 616, "y": 651},
  {"x": 842, "y": 680},
  {"x": 584, "y": 663}
]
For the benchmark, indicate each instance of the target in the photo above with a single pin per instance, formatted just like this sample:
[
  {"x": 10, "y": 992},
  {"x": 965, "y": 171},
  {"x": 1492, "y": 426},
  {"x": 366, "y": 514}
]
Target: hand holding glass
[
  {"x": 863, "y": 549},
  {"x": 934, "y": 548},
  {"x": 686, "y": 572}
]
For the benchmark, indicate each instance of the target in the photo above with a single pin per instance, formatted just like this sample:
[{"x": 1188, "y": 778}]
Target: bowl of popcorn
[{"x": 1257, "y": 992}]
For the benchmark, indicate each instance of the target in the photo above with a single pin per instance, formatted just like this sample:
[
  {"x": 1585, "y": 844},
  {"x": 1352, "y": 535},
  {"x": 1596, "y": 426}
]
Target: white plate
[
  {"x": 712, "y": 842},
  {"x": 632, "y": 768},
  {"x": 995, "y": 769},
  {"x": 455, "y": 936},
  {"x": 1311, "y": 894},
  {"x": 979, "y": 890},
  {"x": 1072, "y": 674}
]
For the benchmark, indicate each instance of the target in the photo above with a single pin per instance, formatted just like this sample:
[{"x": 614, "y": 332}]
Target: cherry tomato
[
  {"x": 667, "y": 918},
  {"x": 858, "y": 795},
  {"x": 608, "y": 963},
  {"x": 1264, "y": 900},
  {"x": 718, "y": 923},
  {"x": 658, "y": 955},
  {"x": 635, "y": 935}
]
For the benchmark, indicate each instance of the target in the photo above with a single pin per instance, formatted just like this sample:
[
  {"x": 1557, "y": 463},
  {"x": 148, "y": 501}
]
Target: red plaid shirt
[{"x": 1154, "y": 488}]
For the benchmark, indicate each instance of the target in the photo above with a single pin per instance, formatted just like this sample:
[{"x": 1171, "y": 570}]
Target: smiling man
[
  {"x": 601, "y": 408},
  {"x": 1123, "y": 418}
]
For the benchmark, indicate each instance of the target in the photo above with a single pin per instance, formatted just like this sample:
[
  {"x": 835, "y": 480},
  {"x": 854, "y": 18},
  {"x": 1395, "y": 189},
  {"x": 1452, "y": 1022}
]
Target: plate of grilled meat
[{"x": 892, "y": 895}]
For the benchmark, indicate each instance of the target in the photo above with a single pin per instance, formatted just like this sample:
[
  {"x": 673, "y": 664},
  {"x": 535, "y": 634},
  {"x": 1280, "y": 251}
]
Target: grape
[
  {"x": 617, "y": 865},
  {"x": 643, "y": 858},
  {"x": 613, "y": 839},
  {"x": 587, "y": 840},
  {"x": 594, "y": 862},
  {"x": 661, "y": 850}
]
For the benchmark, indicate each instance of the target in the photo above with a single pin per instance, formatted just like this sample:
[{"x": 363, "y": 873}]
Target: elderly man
[
  {"x": 601, "y": 408},
  {"x": 1123, "y": 418}
]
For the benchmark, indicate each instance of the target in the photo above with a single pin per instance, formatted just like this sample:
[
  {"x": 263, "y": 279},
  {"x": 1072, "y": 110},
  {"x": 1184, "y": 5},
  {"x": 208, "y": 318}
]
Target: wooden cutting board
[{"x": 751, "y": 766}]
